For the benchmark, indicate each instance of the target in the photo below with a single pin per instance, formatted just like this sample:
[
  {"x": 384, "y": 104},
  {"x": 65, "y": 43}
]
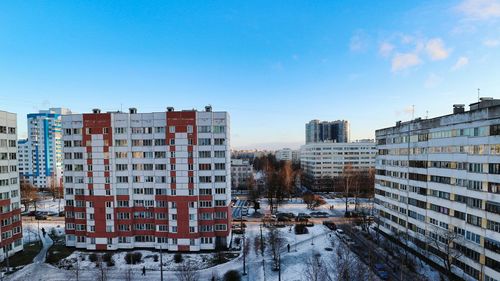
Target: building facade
[
  {"x": 327, "y": 131},
  {"x": 323, "y": 162},
  {"x": 241, "y": 173},
  {"x": 147, "y": 180},
  {"x": 40, "y": 154},
  {"x": 287, "y": 154},
  {"x": 438, "y": 184},
  {"x": 11, "y": 240}
]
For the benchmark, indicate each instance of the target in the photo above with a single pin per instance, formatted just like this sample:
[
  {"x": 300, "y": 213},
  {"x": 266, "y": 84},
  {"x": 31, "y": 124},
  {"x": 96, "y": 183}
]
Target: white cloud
[
  {"x": 491, "y": 43},
  {"x": 432, "y": 81},
  {"x": 402, "y": 61},
  {"x": 358, "y": 41},
  {"x": 461, "y": 62},
  {"x": 480, "y": 9},
  {"x": 436, "y": 50},
  {"x": 385, "y": 49}
]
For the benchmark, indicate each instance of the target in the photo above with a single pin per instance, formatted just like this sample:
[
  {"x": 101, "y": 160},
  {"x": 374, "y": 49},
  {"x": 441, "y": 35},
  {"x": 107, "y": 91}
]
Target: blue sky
[{"x": 274, "y": 65}]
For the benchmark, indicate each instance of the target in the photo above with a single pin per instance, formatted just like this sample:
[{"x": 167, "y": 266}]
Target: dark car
[
  {"x": 40, "y": 217},
  {"x": 330, "y": 224}
]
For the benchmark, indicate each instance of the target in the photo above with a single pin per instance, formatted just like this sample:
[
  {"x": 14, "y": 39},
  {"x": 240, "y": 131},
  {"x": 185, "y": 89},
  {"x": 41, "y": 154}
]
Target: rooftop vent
[
  {"x": 132, "y": 110},
  {"x": 398, "y": 123},
  {"x": 458, "y": 108},
  {"x": 208, "y": 108},
  {"x": 170, "y": 109},
  {"x": 96, "y": 110}
]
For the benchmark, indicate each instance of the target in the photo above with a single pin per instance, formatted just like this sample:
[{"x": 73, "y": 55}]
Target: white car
[
  {"x": 339, "y": 232},
  {"x": 348, "y": 240}
]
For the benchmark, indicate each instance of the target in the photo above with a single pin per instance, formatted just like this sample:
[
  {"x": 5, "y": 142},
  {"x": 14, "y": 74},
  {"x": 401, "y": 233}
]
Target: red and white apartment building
[
  {"x": 11, "y": 240},
  {"x": 147, "y": 180}
]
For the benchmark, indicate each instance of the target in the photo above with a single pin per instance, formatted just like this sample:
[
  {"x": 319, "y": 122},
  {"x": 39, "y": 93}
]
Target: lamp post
[
  {"x": 161, "y": 264},
  {"x": 244, "y": 256}
]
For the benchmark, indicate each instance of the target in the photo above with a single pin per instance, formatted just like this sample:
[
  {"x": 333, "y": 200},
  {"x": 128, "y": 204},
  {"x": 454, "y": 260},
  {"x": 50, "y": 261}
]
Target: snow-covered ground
[{"x": 48, "y": 204}]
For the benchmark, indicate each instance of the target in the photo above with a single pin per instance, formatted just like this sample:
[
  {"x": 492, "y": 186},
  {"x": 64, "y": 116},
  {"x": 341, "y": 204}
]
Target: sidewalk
[{"x": 46, "y": 243}]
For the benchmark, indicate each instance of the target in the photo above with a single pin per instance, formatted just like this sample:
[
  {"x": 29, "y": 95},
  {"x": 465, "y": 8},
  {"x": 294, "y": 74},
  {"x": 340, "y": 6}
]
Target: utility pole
[
  {"x": 6, "y": 250},
  {"x": 161, "y": 264},
  {"x": 244, "y": 256},
  {"x": 279, "y": 266}
]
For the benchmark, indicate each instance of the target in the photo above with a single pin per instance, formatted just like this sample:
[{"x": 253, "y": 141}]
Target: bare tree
[
  {"x": 253, "y": 192},
  {"x": 188, "y": 271},
  {"x": 275, "y": 242},
  {"x": 127, "y": 273},
  {"x": 29, "y": 194},
  {"x": 102, "y": 272},
  {"x": 256, "y": 245},
  {"x": 315, "y": 269},
  {"x": 445, "y": 244},
  {"x": 350, "y": 178},
  {"x": 344, "y": 263},
  {"x": 76, "y": 268}
]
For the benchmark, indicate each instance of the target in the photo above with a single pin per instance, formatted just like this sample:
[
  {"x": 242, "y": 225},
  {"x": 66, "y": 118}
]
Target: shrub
[
  {"x": 301, "y": 229},
  {"x": 232, "y": 275},
  {"x": 155, "y": 258},
  {"x": 178, "y": 258},
  {"x": 93, "y": 257},
  {"x": 133, "y": 258},
  {"x": 108, "y": 259},
  {"x": 237, "y": 240}
]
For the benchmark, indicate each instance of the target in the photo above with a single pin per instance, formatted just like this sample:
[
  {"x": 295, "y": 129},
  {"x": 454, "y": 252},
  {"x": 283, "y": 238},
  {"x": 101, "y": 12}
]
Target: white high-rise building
[
  {"x": 40, "y": 154},
  {"x": 324, "y": 161},
  {"x": 150, "y": 180},
  {"x": 438, "y": 186},
  {"x": 11, "y": 240}
]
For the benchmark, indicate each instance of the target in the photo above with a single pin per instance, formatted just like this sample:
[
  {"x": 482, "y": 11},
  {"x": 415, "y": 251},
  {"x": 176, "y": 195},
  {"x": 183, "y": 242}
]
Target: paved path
[{"x": 47, "y": 243}]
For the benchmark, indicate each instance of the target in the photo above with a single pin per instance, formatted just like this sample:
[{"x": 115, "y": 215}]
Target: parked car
[
  {"x": 348, "y": 240},
  {"x": 330, "y": 224},
  {"x": 40, "y": 217},
  {"x": 339, "y": 232},
  {"x": 381, "y": 271},
  {"x": 303, "y": 215}
]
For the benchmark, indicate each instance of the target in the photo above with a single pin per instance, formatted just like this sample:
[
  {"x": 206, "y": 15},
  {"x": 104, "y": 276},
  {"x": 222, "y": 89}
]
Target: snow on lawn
[
  {"x": 48, "y": 204},
  {"x": 200, "y": 260},
  {"x": 30, "y": 229},
  {"x": 297, "y": 205}
]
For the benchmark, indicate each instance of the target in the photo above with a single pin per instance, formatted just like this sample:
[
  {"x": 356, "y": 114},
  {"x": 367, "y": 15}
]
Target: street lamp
[{"x": 161, "y": 264}]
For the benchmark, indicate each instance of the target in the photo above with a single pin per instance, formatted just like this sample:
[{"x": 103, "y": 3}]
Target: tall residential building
[
  {"x": 287, "y": 154},
  {"x": 322, "y": 163},
  {"x": 11, "y": 240},
  {"x": 149, "y": 180},
  {"x": 40, "y": 155},
  {"x": 438, "y": 184},
  {"x": 241, "y": 172},
  {"x": 326, "y": 131}
]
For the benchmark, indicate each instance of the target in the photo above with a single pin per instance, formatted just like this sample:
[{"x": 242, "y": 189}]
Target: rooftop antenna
[
  {"x": 412, "y": 111},
  {"x": 478, "y": 91},
  {"x": 427, "y": 114}
]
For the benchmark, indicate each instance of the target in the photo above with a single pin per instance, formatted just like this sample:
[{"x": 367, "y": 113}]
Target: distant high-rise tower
[
  {"x": 40, "y": 154},
  {"x": 325, "y": 131}
]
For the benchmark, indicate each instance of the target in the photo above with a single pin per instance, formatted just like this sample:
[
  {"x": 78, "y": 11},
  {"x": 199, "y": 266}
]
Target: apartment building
[
  {"x": 287, "y": 154},
  {"x": 323, "y": 162},
  {"x": 327, "y": 131},
  {"x": 241, "y": 172},
  {"x": 147, "y": 180},
  {"x": 40, "y": 154},
  {"x": 11, "y": 240},
  {"x": 438, "y": 183}
]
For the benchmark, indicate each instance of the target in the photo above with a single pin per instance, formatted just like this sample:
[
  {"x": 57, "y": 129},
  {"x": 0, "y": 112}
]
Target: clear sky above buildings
[{"x": 274, "y": 65}]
